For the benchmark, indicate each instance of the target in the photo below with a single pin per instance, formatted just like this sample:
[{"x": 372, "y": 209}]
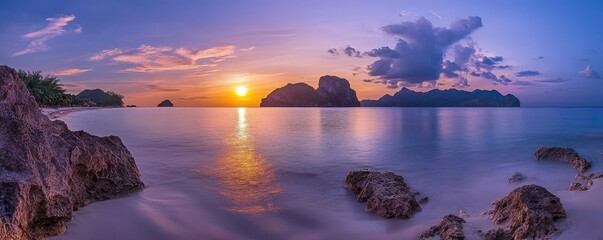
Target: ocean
[{"x": 278, "y": 173}]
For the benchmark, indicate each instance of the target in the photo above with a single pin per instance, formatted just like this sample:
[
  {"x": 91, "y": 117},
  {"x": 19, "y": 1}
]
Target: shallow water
[{"x": 251, "y": 173}]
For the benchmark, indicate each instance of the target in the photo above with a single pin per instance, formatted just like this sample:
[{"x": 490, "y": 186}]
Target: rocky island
[
  {"x": 165, "y": 103},
  {"x": 48, "y": 171},
  {"x": 444, "y": 98},
  {"x": 332, "y": 92}
]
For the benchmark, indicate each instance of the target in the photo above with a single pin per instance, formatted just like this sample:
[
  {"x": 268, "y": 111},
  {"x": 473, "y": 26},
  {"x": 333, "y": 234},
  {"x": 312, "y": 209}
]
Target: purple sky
[{"x": 547, "y": 53}]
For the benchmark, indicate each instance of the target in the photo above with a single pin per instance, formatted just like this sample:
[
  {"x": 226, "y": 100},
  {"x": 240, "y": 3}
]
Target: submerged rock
[
  {"x": 567, "y": 155},
  {"x": 386, "y": 193},
  {"x": 496, "y": 234},
  {"x": 577, "y": 187},
  {"x": 530, "y": 211},
  {"x": 48, "y": 171},
  {"x": 332, "y": 92},
  {"x": 165, "y": 103},
  {"x": 450, "y": 228},
  {"x": 516, "y": 177}
]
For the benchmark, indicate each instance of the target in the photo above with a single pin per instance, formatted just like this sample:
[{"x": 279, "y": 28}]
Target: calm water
[{"x": 251, "y": 173}]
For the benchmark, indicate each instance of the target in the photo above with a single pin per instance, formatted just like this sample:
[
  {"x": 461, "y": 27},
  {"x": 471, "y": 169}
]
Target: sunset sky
[{"x": 196, "y": 53}]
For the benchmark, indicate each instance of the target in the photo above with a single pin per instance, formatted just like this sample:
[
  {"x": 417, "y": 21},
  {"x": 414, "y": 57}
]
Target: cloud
[
  {"x": 589, "y": 72},
  {"x": 161, "y": 88},
  {"x": 527, "y": 73},
  {"x": 56, "y": 27},
  {"x": 419, "y": 53},
  {"x": 333, "y": 51},
  {"x": 351, "y": 52},
  {"x": 69, "y": 72},
  {"x": 435, "y": 14},
  {"x": 552, "y": 80},
  {"x": 408, "y": 14},
  {"x": 148, "y": 58},
  {"x": 194, "y": 98}
]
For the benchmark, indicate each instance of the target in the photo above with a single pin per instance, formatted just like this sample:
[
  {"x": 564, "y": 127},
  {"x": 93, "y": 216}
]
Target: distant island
[
  {"x": 101, "y": 98},
  {"x": 444, "y": 98},
  {"x": 332, "y": 92},
  {"x": 336, "y": 92},
  {"x": 165, "y": 103}
]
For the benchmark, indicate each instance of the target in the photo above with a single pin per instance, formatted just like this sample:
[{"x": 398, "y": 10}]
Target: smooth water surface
[{"x": 277, "y": 173}]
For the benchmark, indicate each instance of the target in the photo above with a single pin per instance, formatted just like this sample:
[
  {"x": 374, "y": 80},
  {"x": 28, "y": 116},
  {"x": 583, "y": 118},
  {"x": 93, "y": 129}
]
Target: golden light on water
[
  {"x": 247, "y": 179},
  {"x": 241, "y": 91}
]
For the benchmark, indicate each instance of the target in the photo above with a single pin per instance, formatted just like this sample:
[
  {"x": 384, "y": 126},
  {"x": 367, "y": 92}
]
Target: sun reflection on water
[{"x": 247, "y": 179}]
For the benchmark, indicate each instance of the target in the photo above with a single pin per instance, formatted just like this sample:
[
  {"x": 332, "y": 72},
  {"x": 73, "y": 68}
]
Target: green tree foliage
[{"x": 47, "y": 90}]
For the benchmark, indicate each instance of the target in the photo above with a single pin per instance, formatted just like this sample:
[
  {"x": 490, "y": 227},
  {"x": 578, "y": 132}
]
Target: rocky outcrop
[
  {"x": 516, "y": 177},
  {"x": 48, "y": 171},
  {"x": 332, "y": 92},
  {"x": 496, "y": 234},
  {"x": 450, "y": 228},
  {"x": 566, "y": 155},
  {"x": 386, "y": 194},
  {"x": 577, "y": 187},
  {"x": 444, "y": 98},
  {"x": 530, "y": 212},
  {"x": 165, "y": 103}
]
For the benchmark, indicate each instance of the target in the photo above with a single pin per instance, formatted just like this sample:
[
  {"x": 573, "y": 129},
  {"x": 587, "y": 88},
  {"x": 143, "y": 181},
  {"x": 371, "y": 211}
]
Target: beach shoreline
[{"x": 56, "y": 113}]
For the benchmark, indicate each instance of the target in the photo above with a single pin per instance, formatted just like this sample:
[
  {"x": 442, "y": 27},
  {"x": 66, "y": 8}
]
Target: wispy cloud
[
  {"x": 148, "y": 58},
  {"x": 56, "y": 27},
  {"x": 435, "y": 15},
  {"x": 68, "y": 72},
  {"x": 161, "y": 88},
  {"x": 589, "y": 72}
]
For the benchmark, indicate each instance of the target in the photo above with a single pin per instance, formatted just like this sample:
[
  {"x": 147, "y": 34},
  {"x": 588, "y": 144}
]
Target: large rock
[
  {"x": 444, "y": 98},
  {"x": 567, "y": 155},
  {"x": 386, "y": 194},
  {"x": 450, "y": 228},
  {"x": 530, "y": 212},
  {"x": 165, "y": 103},
  {"x": 332, "y": 92},
  {"x": 48, "y": 171}
]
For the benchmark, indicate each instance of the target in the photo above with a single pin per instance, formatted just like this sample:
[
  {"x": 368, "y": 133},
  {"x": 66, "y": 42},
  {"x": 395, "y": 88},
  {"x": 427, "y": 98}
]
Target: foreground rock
[
  {"x": 444, "y": 98},
  {"x": 496, "y": 234},
  {"x": 567, "y": 155},
  {"x": 332, "y": 92},
  {"x": 577, "y": 187},
  {"x": 530, "y": 212},
  {"x": 450, "y": 228},
  {"x": 48, "y": 171},
  {"x": 386, "y": 194},
  {"x": 165, "y": 103}
]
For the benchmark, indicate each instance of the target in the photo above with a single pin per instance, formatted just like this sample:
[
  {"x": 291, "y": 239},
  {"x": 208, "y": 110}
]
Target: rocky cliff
[
  {"x": 444, "y": 98},
  {"x": 332, "y": 92},
  {"x": 48, "y": 171}
]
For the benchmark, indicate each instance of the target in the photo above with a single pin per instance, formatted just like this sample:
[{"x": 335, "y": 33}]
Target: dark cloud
[
  {"x": 351, "y": 52},
  {"x": 553, "y": 80},
  {"x": 333, "y": 51},
  {"x": 589, "y": 72},
  {"x": 419, "y": 54},
  {"x": 368, "y": 80},
  {"x": 522, "y": 83},
  {"x": 161, "y": 88},
  {"x": 527, "y": 73},
  {"x": 492, "y": 60}
]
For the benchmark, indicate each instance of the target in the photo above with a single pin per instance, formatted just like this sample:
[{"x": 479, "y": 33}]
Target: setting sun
[{"x": 241, "y": 91}]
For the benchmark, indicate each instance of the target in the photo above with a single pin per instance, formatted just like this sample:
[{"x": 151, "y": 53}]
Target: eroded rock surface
[
  {"x": 497, "y": 234},
  {"x": 450, "y": 228},
  {"x": 530, "y": 212},
  {"x": 577, "y": 187},
  {"x": 386, "y": 194},
  {"x": 48, "y": 171},
  {"x": 567, "y": 155}
]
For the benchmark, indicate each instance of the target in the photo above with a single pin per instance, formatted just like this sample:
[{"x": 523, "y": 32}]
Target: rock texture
[
  {"x": 530, "y": 211},
  {"x": 567, "y": 155},
  {"x": 516, "y": 177},
  {"x": 48, "y": 171},
  {"x": 450, "y": 228},
  {"x": 577, "y": 187},
  {"x": 165, "y": 103},
  {"x": 386, "y": 194},
  {"x": 444, "y": 98},
  {"x": 497, "y": 234},
  {"x": 332, "y": 92}
]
